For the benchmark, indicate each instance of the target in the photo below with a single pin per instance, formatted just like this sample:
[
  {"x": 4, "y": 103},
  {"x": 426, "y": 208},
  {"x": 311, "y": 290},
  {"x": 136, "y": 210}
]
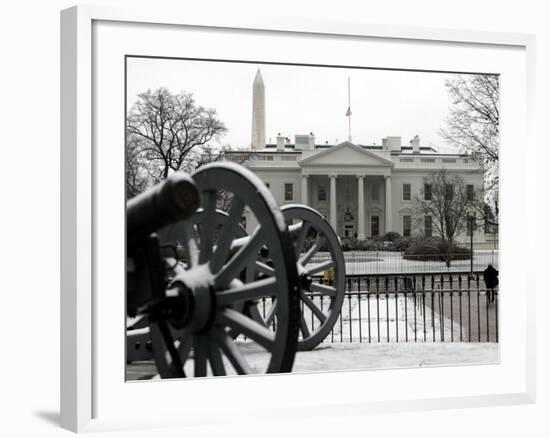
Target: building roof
[{"x": 405, "y": 150}]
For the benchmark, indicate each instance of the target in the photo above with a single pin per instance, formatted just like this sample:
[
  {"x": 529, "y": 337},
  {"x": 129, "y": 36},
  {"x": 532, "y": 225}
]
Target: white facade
[{"x": 359, "y": 189}]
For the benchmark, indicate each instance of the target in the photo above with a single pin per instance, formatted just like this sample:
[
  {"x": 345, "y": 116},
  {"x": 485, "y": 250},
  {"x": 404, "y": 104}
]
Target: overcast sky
[{"x": 303, "y": 99}]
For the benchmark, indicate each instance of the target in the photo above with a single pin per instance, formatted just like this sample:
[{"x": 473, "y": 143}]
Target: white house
[{"x": 364, "y": 191}]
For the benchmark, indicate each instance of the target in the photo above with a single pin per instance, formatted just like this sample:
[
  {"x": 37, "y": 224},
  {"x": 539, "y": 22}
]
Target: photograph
[{"x": 298, "y": 218}]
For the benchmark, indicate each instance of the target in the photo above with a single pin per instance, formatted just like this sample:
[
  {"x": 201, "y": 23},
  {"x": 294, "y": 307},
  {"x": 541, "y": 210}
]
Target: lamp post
[{"x": 471, "y": 221}]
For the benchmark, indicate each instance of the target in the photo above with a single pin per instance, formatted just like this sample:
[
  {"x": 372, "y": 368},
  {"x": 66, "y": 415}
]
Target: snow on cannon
[{"x": 188, "y": 280}]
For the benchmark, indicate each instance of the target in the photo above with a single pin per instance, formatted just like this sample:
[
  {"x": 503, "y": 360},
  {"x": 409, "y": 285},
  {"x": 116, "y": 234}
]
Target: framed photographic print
[{"x": 290, "y": 208}]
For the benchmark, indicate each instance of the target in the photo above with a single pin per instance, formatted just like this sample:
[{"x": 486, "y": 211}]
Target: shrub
[
  {"x": 401, "y": 244},
  {"x": 368, "y": 245},
  {"x": 391, "y": 236},
  {"x": 349, "y": 244},
  {"x": 434, "y": 249}
]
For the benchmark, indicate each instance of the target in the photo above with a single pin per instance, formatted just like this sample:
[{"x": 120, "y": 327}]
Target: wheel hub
[{"x": 197, "y": 285}]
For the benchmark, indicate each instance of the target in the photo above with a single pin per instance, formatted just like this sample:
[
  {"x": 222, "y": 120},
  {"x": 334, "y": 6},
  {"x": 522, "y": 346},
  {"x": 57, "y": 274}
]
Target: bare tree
[
  {"x": 137, "y": 176},
  {"x": 446, "y": 198},
  {"x": 473, "y": 126},
  {"x": 206, "y": 155},
  {"x": 167, "y": 127}
]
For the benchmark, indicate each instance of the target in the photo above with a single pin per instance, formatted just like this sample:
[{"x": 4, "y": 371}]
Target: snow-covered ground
[
  {"x": 355, "y": 356},
  {"x": 391, "y": 262},
  {"x": 389, "y": 319},
  {"x": 365, "y": 356},
  {"x": 391, "y": 352}
]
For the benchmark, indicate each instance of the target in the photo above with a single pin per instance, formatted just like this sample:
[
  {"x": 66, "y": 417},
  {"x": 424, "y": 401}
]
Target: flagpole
[{"x": 349, "y": 109}]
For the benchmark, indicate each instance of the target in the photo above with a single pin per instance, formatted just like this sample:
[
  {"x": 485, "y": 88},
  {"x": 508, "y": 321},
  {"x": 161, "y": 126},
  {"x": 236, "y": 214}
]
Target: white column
[
  {"x": 333, "y": 216},
  {"x": 388, "y": 204},
  {"x": 304, "y": 189},
  {"x": 361, "y": 206}
]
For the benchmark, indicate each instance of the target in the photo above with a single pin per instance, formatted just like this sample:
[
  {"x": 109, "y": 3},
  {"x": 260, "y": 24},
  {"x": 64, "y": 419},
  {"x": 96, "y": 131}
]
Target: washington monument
[{"x": 258, "y": 112}]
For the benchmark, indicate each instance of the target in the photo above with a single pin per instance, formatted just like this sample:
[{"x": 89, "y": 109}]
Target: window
[
  {"x": 470, "y": 192},
  {"x": 428, "y": 226},
  {"x": 406, "y": 226},
  {"x": 448, "y": 192},
  {"x": 427, "y": 192},
  {"x": 289, "y": 195},
  {"x": 322, "y": 194},
  {"x": 406, "y": 192},
  {"x": 375, "y": 225},
  {"x": 264, "y": 157}
]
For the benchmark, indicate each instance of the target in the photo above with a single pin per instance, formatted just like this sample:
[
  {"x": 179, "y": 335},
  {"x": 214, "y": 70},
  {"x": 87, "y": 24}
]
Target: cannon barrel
[{"x": 174, "y": 199}]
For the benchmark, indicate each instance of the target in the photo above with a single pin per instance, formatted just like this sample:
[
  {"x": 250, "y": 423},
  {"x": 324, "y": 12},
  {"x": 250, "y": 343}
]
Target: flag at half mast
[{"x": 348, "y": 112}]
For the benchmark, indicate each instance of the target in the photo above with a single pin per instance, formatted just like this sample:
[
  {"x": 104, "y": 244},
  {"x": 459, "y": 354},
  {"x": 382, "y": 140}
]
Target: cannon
[
  {"x": 188, "y": 281},
  {"x": 321, "y": 280}
]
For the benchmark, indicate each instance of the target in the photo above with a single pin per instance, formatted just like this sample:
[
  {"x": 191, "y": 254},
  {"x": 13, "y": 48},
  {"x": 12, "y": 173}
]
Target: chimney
[
  {"x": 415, "y": 143},
  {"x": 281, "y": 139},
  {"x": 304, "y": 142},
  {"x": 311, "y": 141},
  {"x": 392, "y": 143}
]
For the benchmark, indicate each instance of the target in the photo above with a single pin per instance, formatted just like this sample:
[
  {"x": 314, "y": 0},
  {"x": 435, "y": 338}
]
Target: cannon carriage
[{"x": 205, "y": 298}]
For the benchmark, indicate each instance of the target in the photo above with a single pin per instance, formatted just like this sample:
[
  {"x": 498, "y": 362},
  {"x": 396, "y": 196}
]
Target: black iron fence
[{"x": 413, "y": 308}]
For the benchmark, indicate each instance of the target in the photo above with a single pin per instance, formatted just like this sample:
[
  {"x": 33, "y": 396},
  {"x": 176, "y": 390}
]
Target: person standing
[{"x": 490, "y": 276}]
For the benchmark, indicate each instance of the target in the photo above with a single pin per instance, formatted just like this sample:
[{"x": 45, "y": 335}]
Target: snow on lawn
[
  {"x": 355, "y": 356},
  {"x": 363, "y": 356},
  {"x": 392, "y": 262}
]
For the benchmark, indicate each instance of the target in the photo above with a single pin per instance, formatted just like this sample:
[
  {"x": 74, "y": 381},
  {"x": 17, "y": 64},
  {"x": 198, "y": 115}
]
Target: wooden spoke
[
  {"x": 306, "y": 257},
  {"x": 244, "y": 256},
  {"x": 316, "y": 311},
  {"x": 301, "y": 237},
  {"x": 304, "y": 328},
  {"x": 246, "y": 326},
  {"x": 208, "y": 226},
  {"x": 271, "y": 314},
  {"x": 329, "y": 264},
  {"x": 231, "y": 351},
  {"x": 200, "y": 345},
  {"x": 172, "y": 356},
  {"x": 264, "y": 269},
  {"x": 256, "y": 316},
  {"x": 247, "y": 291},
  {"x": 324, "y": 289},
  {"x": 227, "y": 234},
  {"x": 215, "y": 359},
  {"x": 190, "y": 244}
]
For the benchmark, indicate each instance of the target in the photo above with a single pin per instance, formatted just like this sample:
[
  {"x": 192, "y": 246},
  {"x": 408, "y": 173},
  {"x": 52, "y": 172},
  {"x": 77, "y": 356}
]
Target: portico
[
  {"x": 348, "y": 186},
  {"x": 355, "y": 205}
]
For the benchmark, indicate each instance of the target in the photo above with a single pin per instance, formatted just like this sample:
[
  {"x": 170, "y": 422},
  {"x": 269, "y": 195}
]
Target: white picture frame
[{"x": 93, "y": 398}]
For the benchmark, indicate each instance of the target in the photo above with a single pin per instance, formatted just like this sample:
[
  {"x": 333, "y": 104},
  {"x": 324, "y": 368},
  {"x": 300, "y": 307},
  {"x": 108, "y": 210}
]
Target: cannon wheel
[
  {"x": 138, "y": 334},
  {"x": 320, "y": 302},
  {"x": 213, "y": 275}
]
